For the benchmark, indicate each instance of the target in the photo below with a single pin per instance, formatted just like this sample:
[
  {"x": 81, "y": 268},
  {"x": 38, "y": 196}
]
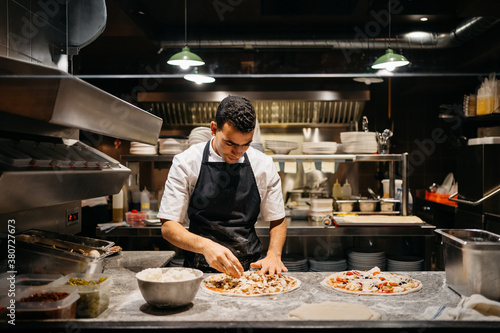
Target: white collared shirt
[{"x": 183, "y": 175}]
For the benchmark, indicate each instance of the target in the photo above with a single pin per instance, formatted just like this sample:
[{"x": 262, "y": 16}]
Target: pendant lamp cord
[
  {"x": 185, "y": 22},
  {"x": 389, "y": 9}
]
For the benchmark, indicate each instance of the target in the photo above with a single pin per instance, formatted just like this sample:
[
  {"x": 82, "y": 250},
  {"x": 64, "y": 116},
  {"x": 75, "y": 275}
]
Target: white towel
[{"x": 473, "y": 308}]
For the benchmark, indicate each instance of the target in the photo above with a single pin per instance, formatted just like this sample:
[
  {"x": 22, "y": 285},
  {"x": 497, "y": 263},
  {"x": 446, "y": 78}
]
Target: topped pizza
[
  {"x": 372, "y": 282},
  {"x": 249, "y": 284}
]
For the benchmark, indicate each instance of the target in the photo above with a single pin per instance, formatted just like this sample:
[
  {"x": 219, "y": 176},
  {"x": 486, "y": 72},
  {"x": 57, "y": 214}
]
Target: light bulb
[{"x": 184, "y": 66}]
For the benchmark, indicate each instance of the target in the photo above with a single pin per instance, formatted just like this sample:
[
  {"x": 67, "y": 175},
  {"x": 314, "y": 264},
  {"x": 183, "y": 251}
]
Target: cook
[{"x": 222, "y": 186}]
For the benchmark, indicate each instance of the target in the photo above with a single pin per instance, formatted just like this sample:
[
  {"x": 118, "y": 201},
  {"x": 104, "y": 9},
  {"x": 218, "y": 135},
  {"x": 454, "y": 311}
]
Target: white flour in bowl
[{"x": 167, "y": 275}]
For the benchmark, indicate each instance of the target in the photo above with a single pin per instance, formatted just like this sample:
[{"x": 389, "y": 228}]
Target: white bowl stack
[
  {"x": 198, "y": 135},
  {"x": 359, "y": 142},
  {"x": 363, "y": 259},
  {"x": 281, "y": 147},
  {"x": 320, "y": 148},
  {"x": 404, "y": 263},
  {"x": 328, "y": 265},
  {"x": 172, "y": 146},
  {"x": 138, "y": 148}
]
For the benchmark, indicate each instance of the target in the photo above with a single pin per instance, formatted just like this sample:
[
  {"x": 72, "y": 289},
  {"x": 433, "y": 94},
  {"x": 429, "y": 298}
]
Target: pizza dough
[
  {"x": 372, "y": 282},
  {"x": 249, "y": 284},
  {"x": 334, "y": 311}
]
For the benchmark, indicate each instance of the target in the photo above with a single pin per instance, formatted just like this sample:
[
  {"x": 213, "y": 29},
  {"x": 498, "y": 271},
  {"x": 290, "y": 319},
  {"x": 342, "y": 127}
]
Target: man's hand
[
  {"x": 270, "y": 264},
  {"x": 222, "y": 259}
]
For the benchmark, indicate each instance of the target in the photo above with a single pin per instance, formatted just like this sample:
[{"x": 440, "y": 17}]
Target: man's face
[{"x": 230, "y": 143}]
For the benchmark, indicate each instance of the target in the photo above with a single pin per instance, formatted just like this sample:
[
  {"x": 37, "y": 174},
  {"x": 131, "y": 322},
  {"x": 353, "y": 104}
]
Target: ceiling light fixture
[
  {"x": 185, "y": 58},
  {"x": 424, "y": 19},
  {"x": 368, "y": 80},
  {"x": 198, "y": 78},
  {"x": 390, "y": 60}
]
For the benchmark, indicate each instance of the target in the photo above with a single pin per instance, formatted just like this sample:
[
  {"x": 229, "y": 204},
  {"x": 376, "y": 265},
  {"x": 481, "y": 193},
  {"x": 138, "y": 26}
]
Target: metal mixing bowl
[{"x": 170, "y": 294}]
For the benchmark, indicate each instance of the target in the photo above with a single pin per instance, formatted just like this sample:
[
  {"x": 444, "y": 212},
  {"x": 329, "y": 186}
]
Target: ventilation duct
[{"x": 463, "y": 33}]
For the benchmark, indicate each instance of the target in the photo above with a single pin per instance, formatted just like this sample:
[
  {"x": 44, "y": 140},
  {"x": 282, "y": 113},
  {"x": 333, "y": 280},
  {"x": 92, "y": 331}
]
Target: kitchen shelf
[
  {"x": 341, "y": 157},
  {"x": 147, "y": 158}
]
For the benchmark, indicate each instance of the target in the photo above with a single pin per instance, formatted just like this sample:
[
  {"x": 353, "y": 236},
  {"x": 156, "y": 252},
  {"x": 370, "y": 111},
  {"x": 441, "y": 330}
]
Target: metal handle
[{"x": 474, "y": 203}]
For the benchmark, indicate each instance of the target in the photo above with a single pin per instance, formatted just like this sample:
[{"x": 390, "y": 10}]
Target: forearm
[
  {"x": 178, "y": 236},
  {"x": 277, "y": 237}
]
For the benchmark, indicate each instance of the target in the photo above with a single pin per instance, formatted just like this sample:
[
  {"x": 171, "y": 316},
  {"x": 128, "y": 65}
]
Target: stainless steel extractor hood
[
  {"x": 45, "y": 171},
  {"x": 51, "y": 95},
  {"x": 273, "y": 108}
]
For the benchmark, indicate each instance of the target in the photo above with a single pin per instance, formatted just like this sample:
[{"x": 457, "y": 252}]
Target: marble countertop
[{"x": 128, "y": 309}]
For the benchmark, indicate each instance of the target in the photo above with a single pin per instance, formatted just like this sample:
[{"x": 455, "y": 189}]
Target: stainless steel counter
[
  {"x": 128, "y": 310},
  {"x": 301, "y": 235}
]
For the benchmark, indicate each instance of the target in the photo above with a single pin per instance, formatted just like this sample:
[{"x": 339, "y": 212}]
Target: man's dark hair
[{"x": 237, "y": 111}]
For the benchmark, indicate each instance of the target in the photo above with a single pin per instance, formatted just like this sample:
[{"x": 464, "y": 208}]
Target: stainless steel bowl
[{"x": 170, "y": 294}]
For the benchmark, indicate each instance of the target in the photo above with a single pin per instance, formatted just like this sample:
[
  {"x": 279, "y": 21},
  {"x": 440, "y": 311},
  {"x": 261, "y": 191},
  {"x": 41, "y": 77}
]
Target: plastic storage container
[
  {"x": 94, "y": 297},
  {"x": 135, "y": 218},
  {"x": 38, "y": 308},
  {"x": 33, "y": 280}
]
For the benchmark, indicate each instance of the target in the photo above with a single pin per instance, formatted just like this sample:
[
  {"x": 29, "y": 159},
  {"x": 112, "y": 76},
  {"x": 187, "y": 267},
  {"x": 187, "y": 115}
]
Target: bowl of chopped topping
[
  {"x": 169, "y": 287},
  {"x": 94, "y": 291}
]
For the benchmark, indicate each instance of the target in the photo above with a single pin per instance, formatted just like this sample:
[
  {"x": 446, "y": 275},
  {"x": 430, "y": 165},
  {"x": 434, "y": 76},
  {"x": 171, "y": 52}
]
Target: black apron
[{"x": 224, "y": 207}]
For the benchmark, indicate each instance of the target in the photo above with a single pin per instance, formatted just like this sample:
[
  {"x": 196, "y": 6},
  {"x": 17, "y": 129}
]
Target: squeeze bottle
[
  {"x": 144, "y": 200},
  {"x": 337, "y": 190},
  {"x": 346, "y": 190}
]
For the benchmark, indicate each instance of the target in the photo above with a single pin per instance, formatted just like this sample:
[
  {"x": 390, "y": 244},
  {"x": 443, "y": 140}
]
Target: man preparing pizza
[{"x": 222, "y": 186}]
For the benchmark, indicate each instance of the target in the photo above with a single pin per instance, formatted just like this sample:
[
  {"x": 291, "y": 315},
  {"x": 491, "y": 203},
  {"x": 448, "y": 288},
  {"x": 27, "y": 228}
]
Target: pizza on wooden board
[
  {"x": 372, "y": 282},
  {"x": 249, "y": 284}
]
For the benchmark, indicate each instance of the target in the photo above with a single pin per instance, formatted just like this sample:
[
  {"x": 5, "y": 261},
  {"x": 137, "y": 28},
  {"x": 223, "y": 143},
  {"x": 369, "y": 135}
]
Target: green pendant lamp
[
  {"x": 390, "y": 60},
  {"x": 185, "y": 58}
]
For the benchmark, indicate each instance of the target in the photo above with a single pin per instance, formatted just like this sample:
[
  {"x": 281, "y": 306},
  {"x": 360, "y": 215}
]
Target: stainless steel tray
[
  {"x": 471, "y": 261},
  {"x": 41, "y": 252}
]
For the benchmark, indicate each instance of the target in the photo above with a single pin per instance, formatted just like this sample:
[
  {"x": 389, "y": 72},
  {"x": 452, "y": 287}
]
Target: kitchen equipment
[
  {"x": 323, "y": 147},
  {"x": 373, "y": 195},
  {"x": 367, "y": 205},
  {"x": 345, "y": 206},
  {"x": 170, "y": 294},
  {"x": 40, "y": 252},
  {"x": 45, "y": 171},
  {"x": 471, "y": 261},
  {"x": 388, "y": 205},
  {"x": 359, "y": 142},
  {"x": 478, "y": 195},
  {"x": 280, "y": 146}
]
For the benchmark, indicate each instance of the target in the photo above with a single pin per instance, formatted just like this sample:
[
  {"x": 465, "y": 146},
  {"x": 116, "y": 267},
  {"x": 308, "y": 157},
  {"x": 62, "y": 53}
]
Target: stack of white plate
[
  {"x": 138, "y": 148},
  {"x": 363, "y": 259},
  {"x": 323, "y": 147},
  {"x": 329, "y": 265},
  {"x": 296, "y": 263},
  {"x": 404, "y": 263},
  {"x": 176, "y": 262},
  {"x": 199, "y": 134},
  {"x": 172, "y": 146},
  {"x": 359, "y": 142},
  {"x": 281, "y": 147}
]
